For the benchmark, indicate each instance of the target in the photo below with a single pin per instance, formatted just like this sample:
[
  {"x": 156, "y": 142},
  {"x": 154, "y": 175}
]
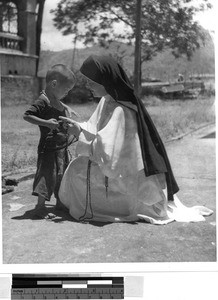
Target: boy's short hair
[{"x": 61, "y": 73}]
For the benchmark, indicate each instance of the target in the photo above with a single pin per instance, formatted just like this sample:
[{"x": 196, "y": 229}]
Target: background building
[{"x": 20, "y": 31}]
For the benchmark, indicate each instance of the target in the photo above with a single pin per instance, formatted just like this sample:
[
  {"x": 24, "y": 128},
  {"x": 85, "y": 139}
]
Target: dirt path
[{"x": 26, "y": 240}]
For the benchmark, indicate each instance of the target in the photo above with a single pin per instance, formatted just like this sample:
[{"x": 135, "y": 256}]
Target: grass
[
  {"x": 177, "y": 117},
  {"x": 172, "y": 118}
]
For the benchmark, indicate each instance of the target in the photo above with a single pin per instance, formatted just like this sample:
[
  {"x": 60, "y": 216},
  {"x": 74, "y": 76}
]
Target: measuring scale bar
[{"x": 41, "y": 287}]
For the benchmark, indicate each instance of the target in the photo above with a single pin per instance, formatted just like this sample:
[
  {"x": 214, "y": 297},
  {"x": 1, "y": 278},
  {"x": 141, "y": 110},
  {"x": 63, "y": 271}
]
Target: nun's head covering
[{"x": 107, "y": 72}]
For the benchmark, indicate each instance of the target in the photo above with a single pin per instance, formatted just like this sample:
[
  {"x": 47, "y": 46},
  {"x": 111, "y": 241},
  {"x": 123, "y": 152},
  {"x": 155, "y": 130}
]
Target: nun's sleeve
[
  {"x": 105, "y": 146},
  {"x": 89, "y": 131}
]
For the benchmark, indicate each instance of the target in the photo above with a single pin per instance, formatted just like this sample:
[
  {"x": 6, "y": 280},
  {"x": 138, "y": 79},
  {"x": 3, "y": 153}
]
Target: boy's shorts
[{"x": 50, "y": 169}]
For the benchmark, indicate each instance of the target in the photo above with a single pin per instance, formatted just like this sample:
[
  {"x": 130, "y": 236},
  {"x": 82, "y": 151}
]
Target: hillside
[
  {"x": 49, "y": 58},
  {"x": 163, "y": 66}
]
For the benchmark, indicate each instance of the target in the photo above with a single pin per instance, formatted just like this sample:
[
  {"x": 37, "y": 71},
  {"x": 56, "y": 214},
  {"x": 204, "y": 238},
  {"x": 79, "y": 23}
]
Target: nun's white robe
[{"x": 111, "y": 142}]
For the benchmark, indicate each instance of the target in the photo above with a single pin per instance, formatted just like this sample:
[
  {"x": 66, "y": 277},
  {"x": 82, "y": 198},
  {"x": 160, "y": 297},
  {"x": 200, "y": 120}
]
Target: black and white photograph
[{"x": 108, "y": 132}]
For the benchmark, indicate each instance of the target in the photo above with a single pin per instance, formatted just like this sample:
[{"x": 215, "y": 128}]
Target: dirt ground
[{"x": 28, "y": 240}]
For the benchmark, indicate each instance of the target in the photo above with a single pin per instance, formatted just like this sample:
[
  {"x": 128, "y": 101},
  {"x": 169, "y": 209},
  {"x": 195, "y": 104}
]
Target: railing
[{"x": 10, "y": 41}]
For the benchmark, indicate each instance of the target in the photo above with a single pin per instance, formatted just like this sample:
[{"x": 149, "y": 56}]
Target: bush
[
  {"x": 80, "y": 93},
  {"x": 151, "y": 100}
]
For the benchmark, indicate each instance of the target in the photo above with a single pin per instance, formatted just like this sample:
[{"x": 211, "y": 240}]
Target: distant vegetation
[{"x": 163, "y": 66}]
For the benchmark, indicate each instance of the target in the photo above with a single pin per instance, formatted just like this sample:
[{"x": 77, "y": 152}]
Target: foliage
[
  {"x": 165, "y": 23},
  {"x": 80, "y": 93}
]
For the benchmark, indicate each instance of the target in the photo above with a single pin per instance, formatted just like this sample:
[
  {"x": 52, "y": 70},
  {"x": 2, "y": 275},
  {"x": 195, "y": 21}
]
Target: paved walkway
[{"x": 27, "y": 240}]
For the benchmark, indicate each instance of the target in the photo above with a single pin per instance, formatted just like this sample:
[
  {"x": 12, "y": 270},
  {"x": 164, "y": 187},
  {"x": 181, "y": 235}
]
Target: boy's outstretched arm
[{"x": 51, "y": 123}]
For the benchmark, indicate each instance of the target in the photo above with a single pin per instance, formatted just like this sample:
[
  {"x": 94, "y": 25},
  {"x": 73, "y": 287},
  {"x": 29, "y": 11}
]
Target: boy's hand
[{"x": 52, "y": 123}]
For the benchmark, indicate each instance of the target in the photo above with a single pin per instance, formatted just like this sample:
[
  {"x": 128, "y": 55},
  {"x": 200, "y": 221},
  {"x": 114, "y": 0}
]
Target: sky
[{"x": 52, "y": 39}]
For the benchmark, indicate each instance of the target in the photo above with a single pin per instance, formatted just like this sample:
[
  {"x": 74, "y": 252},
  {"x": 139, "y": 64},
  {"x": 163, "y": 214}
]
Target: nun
[{"x": 121, "y": 172}]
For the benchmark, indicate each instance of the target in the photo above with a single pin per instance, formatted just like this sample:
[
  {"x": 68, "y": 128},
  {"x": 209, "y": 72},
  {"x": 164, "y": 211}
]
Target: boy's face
[{"x": 60, "y": 90}]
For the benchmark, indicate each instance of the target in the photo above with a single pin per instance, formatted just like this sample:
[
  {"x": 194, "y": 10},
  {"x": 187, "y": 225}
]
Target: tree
[
  {"x": 137, "y": 70},
  {"x": 41, "y": 4},
  {"x": 165, "y": 23}
]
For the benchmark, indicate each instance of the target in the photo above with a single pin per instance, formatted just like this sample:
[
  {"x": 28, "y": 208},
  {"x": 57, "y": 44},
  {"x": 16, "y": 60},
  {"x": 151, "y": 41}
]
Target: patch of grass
[
  {"x": 177, "y": 117},
  {"x": 172, "y": 118}
]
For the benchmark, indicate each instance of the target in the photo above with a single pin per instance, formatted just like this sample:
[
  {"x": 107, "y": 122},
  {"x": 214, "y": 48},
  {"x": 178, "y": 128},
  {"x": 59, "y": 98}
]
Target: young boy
[{"x": 54, "y": 138}]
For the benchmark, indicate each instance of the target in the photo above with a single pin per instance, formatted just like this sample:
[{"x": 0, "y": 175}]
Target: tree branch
[{"x": 120, "y": 18}]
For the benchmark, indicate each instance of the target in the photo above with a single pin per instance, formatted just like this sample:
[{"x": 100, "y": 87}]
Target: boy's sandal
[{"x": 51, "y": 216}]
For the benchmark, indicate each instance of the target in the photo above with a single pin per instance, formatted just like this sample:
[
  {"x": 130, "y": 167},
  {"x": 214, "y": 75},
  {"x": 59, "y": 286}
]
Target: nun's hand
[
  {"x": 73, "y": 127},
  {"x": 67, "y": 120}
]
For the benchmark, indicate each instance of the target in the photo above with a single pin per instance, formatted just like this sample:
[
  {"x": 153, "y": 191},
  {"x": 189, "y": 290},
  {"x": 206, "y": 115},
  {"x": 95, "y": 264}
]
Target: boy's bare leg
[
  {"x": 41, "y": 202},
  {"x": 40, "y": 208}
]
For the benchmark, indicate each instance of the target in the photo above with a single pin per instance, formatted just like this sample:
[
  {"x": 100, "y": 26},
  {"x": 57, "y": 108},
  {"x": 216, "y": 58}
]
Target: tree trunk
[
  {"x": 74, "y": 53},
  {"x": 137, "y": 70},
  {"x": 39, "y": 31}
]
